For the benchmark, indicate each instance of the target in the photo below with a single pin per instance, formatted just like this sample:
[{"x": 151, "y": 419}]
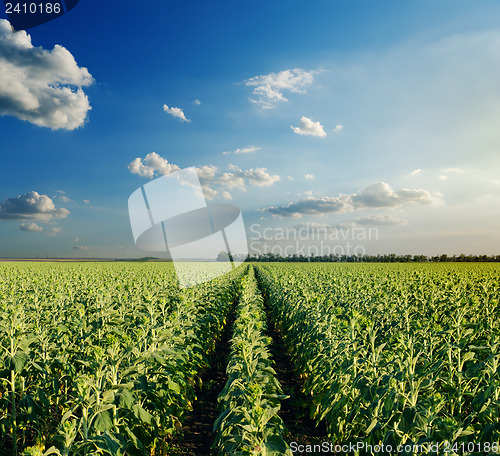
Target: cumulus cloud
[
  {"x": 338, "y": 128},
  {"x": 197, "y": 102},
  {"x": 309, "y": 127},
  {"x": 268, "y": 89},
  {"x": 32, "y": 226},
  {"x": 236, "y": 178},
  {"x": 35, "y": 228},
  {"x": 244, "y": 150},
  {"x": 152, "y": 165},
  {"x": 377, "y": 195},
  {"x": 309, "y": 176},
  {"x": 41, "y": 86},
  {"x": 31, "y": 206},
  {"x": 212, "y": 180},
  {"x": 176, "y": 112}
]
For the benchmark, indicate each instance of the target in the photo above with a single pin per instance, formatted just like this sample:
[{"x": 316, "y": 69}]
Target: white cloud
[
  {"x": 34, "y": 227},
  {"x": 308, "y": 127},
  {"x": 153, "y": 164},
  {"x": 206, "y": 174},
  {"x": 176, "y": 112},
  {"x": 53, "y": 231},
  {"x": 268, "y": 89},
  {"x": 244, "y": 150},
  {"x": 77, "y": 239},
  {"x": 415, "y": 172},
  {"x": 309, "y": 176},
  {"x": 237, "y": 178},
  {"x": 212, "y": 180},
  {"x": 338, "y": 128},
  {"x": 443, "y": 177},
  {"x": 197, "y": 102},
  {"x": 290, "y": 178},
  {"x": 40, "y": 86},
  {"x": 31, "y": 226},
  {"x": 31, "y": 206},
  {"x": 65, "y": 199},
  {"x": 86, "y": 201},
  {"x": 377, "y": 195}
]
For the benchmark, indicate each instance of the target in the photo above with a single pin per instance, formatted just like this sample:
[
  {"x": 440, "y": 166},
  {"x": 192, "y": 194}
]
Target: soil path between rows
[
  {"x": 197, "y": 436},
  {"x": 295, "y": 410}
]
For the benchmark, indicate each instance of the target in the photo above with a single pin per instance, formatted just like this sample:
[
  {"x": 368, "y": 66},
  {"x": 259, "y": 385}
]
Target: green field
[{"x": 107, "y": 358}]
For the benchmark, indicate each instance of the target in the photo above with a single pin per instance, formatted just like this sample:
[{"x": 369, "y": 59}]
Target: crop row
[
  {"x": 99, "y": 359},
  {"x": 394, "y": 354},
  {"x": 249, "y": 424}
]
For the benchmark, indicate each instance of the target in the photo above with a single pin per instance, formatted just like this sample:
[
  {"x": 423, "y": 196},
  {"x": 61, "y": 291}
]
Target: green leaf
[
  {"x": 372, "y": 425},
  {"x": 174, "y": 386},
  {"x": 142, "y": 414},
  {"x": 16, "y": 362},
  {"x": 103, "y": 421}
]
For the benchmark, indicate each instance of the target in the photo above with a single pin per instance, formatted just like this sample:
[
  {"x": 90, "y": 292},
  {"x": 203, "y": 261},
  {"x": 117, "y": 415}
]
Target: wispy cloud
[
  {"x": 309, "y": 176},
  {"x": 243, "y": 150},
  {"x": 83, "y": 248},
  {"x": 308, "y": 127},
  {"x": 53, "y": 231},
  {"x": 176, "y": 112},
  {"x": 338, "y": 128},
  {"x": 41, "y": 86},
  {"x": 368, "y": 220},
  {"x": 269, "y": 88}
]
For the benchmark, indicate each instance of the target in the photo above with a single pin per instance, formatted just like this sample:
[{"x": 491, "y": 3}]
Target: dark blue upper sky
[{"x": 404, "y": 92}]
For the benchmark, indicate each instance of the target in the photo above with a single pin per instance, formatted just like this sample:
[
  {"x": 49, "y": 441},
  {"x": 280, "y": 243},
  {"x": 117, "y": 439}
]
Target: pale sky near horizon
[{"x": 335, "y": 116}]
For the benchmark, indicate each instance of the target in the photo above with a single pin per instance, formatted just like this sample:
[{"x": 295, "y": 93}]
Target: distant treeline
[{"x": 390, "y": 258}]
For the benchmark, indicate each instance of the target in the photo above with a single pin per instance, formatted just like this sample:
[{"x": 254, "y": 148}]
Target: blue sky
[{"x": 365, "y": 115}]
